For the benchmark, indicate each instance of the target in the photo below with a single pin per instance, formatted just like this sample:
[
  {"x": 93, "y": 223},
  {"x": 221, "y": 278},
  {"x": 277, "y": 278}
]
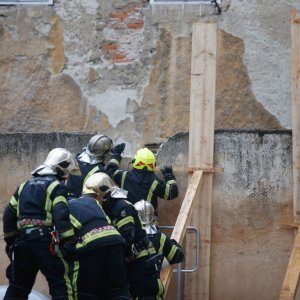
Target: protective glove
[
  {"x": 69, "y": 249},
  {"x": 118, "y": 149},
  {"x": 166, "y": 170}
]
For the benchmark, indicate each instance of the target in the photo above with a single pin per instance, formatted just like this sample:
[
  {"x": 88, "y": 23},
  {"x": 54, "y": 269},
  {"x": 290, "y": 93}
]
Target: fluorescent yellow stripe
[
  {"x": 123, "y": 178},
  {"x": 60, "y": 199},
  {"x": 125, "y": 221},
  {"x": 172, "y": 253},
  {"x": 67, "y": 233},
  {"x": 161, "y": 243},
  {"x": 90, "y": 173},
  {"x": 9, "y": 234},
  {"x": 152, "y": 188},
  {"x": 75, "y": 222},
  {"x": 67, "y": 280},
  {"x": 146, "y": 252},
  {"x": 114, "y": 161},
  {"x": 75, "y": 278},
  {"x": 14, "y": 203},
  {"x": 161, "y": 290},
  {"x": 167, "y": 192},
  {"x": 19, "y": 193},
  {"x": 172, "y": 181},
  {"x": 88, "y": 237},
  {"x": 48, "y": 204}
]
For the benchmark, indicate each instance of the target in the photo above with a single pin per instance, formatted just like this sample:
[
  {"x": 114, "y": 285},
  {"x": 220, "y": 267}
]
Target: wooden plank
[
  {"x": 201, "y": 149},
  {"x": 291, "y": 280},
  {"x": 295, "y": 56},
  {"x": 181, "y": 223}
]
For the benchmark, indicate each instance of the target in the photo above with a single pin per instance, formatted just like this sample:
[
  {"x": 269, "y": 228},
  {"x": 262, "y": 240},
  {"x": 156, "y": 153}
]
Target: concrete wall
[
  {"x": 252, "y": 202},
  {"x": 123, "y": 67}
]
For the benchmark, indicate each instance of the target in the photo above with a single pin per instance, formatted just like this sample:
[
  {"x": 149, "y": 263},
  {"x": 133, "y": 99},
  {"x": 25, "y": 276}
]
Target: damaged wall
[
  {"x": 252, "y": 202},
  {"x": 123, "y": 68}
]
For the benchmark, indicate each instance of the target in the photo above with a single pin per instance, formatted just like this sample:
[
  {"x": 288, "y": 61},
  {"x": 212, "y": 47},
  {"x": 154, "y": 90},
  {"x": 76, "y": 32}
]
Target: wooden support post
[
  {"x": 291, "y": 280},
  {"x": 201, "y": 149},
  {"x": 295, "y": 53},
  {"x": 181, "y": 223}
]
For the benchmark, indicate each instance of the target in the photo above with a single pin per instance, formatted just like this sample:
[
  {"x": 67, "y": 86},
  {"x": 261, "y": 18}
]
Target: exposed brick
[
  {"x": 119, "y": 57},
  {"x": 119, "y": 15},
  {"x": 108, "y": 46},
  {"x": 135, "y": 25}
]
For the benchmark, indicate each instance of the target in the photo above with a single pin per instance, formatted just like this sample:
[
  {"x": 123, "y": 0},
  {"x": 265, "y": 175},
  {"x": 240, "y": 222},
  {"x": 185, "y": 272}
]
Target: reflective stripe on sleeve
[
  {"x": 67, "y": 233},
  {"x": 152, "y": 188},
  {"x": 172, "y": 253},
  {"x": 75, "y": 222},
  {"x": 161, "y": 243},
  {"x": 60, "y": 199},
  {"x": 123, "y": 179},
  {"x": 125, "y": 221}
]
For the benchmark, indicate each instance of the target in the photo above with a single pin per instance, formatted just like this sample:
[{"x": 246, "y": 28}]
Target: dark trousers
[
  {"x": 144, "y": 281},
  {"x": 30, "y": 256},
  {"x": 100, "y": 274}
]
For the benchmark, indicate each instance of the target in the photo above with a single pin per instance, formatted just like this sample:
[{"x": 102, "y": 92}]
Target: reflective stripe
[
  {"x": 123, "y": 179},
  {"x": 67, "y": 233},
  {"x": 75, "y": 222},
  {"x": 172, "y": 253},
  {"x": 89, "y": 237},
  {"x": 172, "y": 181},
  {"x": 90, "y": 173},
  {"x": 161, "y": 290},
  {"x": 167, "y": 192},
  {"x": 75, "y": 278},
  {"x": 48, "y": 203},
  {"x": 67, "y": 280},
  {"x": 60, "y": 199},
  {"x": 146, "y": 252},
  {"x": 161, "y": 243},
  {"x": 125, "y": 221},
  {"x": 114, "y": 161},
  {"x": 9, "y": 234},
  {"x": 19, "y": 193},
  {"x": 151, "y": 190},
  {"x": 14, "y": 203}
]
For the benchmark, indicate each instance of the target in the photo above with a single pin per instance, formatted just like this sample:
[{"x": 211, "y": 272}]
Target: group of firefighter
[{"x": 89, "y": 227}]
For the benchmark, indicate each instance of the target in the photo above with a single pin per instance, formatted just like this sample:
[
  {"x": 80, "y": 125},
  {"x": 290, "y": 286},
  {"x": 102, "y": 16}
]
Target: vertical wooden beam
[
  {"x": 295, "y": 54},
  {"x": 291, "y": 280},
  {"x": 180, "y": 226},
  {"x": 201, "y": 148}
]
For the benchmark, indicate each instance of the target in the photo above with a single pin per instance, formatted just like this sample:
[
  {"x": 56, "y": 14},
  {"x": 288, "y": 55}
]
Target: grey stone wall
[
  {"x": 123, "y": 67},
  {"x": 252, "y": 202}
]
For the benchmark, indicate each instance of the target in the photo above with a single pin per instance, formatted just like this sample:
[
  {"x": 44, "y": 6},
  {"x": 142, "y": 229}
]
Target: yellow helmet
[{"x": 144, "y": 158}]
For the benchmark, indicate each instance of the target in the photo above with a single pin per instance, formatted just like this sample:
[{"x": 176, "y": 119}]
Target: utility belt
[
  {"x": 31, "y": 222},
  {"x": 33, "y": 233},
  {"x": 87, "y": 236}
]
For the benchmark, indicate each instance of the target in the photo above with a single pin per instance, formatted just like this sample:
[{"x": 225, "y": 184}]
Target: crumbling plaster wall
[
  {"x": 123, "y": 68},
  {"x": 252, "y": 202}
]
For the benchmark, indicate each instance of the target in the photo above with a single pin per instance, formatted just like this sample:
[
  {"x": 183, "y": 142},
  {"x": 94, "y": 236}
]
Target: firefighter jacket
[
  {"x": 75, "y": 182},
  {"x": 142, "y": 184},
  {"x": 40, "y": 201},
  {"x": 92, "y": 227},
  {"x": 170, "y": 249},
  {"x": 126, "y": 220}
]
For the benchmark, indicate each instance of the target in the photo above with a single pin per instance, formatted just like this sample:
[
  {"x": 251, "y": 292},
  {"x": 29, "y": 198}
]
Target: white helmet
[
  {"x": 145, "y": 211},
  {"x": 58, "y": 162},
  {"x": 99, "y": 145}
]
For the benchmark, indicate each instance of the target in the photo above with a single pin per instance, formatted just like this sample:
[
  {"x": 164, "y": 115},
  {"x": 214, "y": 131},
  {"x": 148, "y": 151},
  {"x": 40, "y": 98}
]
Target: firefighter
[
  {"x": 99, "y": 272},
  {"x": 141, "y": 182},
  {"x": 38, "y": 205},
  {"x": 140, "y": 255},
  {"x": 90, "y": 161},
  {"x": 170, "y": 249}
]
